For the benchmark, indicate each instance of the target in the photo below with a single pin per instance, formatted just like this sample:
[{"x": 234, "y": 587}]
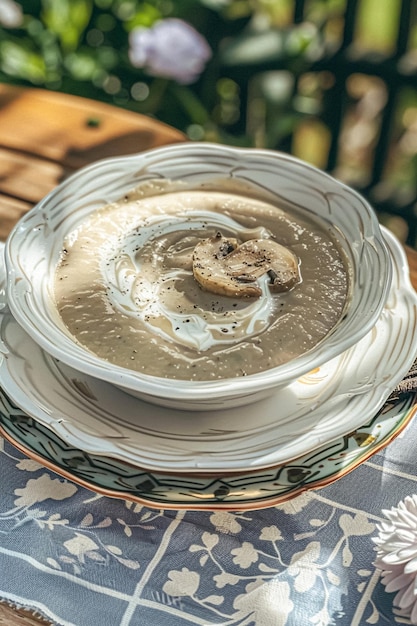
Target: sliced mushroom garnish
[{"x": 222, "y": 266}]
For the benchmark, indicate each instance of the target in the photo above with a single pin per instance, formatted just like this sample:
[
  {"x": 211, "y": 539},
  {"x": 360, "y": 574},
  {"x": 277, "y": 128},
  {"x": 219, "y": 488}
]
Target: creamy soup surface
[{"x": 125, "y": 288}]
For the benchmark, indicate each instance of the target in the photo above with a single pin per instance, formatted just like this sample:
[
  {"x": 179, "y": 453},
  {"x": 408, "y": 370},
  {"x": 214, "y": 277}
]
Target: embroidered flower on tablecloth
[
  {"x": 397, "y": 555},
  {"x": 43, "y": 488}
]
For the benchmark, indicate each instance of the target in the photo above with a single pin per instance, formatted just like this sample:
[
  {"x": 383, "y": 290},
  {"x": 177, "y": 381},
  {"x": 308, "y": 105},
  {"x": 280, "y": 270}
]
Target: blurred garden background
[{"x": 333, "y": 82}]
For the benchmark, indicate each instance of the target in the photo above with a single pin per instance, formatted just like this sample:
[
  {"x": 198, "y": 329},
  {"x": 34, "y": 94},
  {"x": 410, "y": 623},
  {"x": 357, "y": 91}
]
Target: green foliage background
[
  {"x": 270, "y": 83},
  {"x": 81, "y": 47}
]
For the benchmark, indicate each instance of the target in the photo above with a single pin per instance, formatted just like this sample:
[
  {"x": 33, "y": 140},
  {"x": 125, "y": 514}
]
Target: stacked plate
[{"x": 305, "y": 435}]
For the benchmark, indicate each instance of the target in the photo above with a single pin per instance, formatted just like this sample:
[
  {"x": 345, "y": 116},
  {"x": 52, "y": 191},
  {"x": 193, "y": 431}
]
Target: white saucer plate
[{"x": 337, "y": 398}]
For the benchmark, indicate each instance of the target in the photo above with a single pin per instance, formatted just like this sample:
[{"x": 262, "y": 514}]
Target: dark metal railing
[
  {"x": 391, "y": 180},
  {"x": 344, "y": 64}
]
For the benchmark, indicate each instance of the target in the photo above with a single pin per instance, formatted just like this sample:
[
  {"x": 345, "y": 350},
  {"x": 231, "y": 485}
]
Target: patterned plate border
[{"x": 248, "y": 491}]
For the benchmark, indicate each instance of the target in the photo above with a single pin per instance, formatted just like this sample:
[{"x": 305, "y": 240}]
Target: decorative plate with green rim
[
  {"x": 322, "y": 406},
  {"x": 251, "y": 490}
]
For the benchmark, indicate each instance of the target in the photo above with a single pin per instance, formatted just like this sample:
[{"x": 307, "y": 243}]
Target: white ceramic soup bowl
[{"x": 33, "y": 250}]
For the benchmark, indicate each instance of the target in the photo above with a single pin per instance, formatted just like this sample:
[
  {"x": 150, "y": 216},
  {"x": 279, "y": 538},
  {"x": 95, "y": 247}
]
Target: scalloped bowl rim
[{"x": 50, "y": 334}]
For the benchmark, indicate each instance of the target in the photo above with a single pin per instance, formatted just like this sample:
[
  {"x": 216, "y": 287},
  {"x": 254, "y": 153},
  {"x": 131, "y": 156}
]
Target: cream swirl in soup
[{"x": 126, "y": 290}]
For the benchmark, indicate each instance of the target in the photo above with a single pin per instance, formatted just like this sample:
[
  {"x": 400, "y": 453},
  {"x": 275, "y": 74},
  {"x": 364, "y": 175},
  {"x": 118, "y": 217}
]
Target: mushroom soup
[{"x": 200, "y": 284}]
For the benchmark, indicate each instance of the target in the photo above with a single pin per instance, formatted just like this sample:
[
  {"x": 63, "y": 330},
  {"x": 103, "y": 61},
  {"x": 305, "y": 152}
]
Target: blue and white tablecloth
[{"x": 82, "y": 559}]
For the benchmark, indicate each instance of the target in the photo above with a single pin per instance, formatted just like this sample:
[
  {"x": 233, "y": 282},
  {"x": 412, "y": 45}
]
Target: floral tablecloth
[{"x": 83, "y": 559}]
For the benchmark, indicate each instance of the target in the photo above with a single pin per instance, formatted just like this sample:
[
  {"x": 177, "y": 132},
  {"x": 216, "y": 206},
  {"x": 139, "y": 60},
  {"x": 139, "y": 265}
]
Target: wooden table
[{"x": 44, "y": 136}]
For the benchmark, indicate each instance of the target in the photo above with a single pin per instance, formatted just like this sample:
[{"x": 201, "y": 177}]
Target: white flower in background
[
  {"x": 170, "y": 49},
  {"x": 11, "y": 14},
  {"x": 397, "y": 555}
]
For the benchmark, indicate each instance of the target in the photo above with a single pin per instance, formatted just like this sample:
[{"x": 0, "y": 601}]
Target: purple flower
[
  {"x": 11, "y": 14},
  {"x": 170, "y": 49}
]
